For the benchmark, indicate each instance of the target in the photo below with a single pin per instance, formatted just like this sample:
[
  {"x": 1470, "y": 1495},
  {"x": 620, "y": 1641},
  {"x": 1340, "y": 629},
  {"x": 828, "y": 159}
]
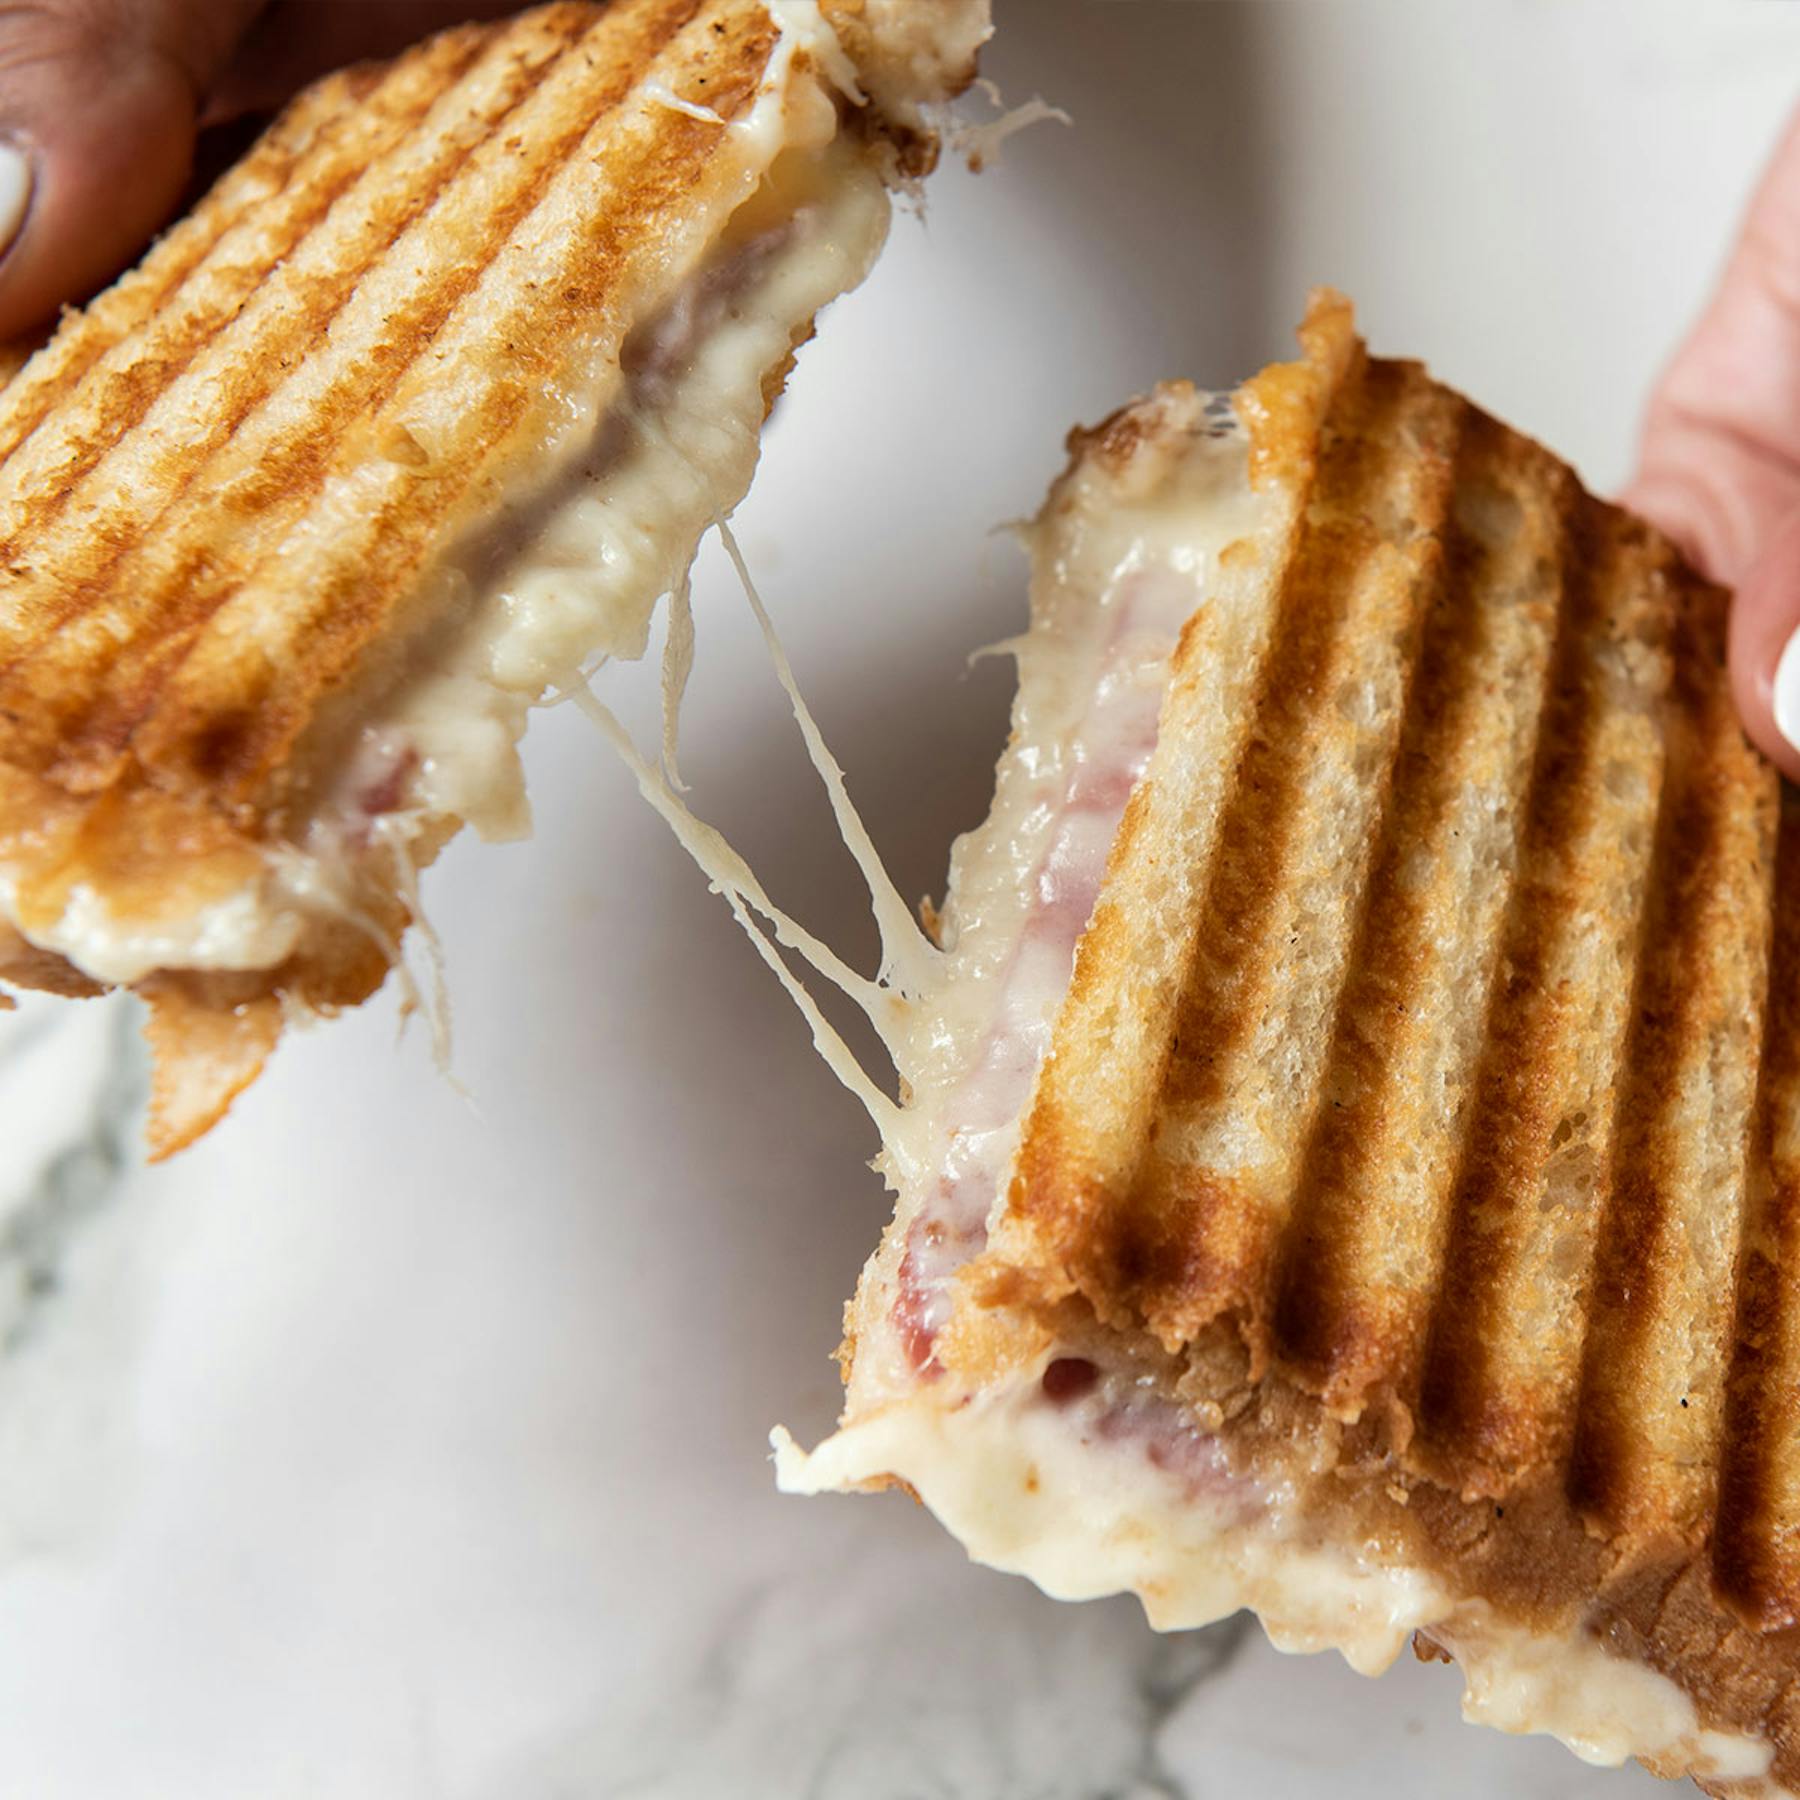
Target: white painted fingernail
[
  {"x": 15, "y": 193},
  {"x": 1787, "y": 692}
]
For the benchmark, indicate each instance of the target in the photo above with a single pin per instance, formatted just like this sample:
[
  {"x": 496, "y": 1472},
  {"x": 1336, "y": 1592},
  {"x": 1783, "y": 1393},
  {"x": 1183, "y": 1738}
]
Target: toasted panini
[
  {"x": 410, "y": 421},
  {"x": 1360, "y": 1182}
]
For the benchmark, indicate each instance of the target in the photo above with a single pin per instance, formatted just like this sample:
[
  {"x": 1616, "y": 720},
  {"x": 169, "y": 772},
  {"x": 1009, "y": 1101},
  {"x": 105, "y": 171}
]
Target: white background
[{"x": 385, "y": 1446}]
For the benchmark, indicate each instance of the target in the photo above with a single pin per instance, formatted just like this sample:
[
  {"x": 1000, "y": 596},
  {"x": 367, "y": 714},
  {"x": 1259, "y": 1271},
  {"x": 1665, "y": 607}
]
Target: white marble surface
[{"x": 388, "y": 1445}]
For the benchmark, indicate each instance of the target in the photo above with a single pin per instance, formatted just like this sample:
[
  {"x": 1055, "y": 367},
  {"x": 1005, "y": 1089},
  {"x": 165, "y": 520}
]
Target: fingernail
[
  {"x": 1787, "y": 692},
  {"x": 15, "y": 193}
]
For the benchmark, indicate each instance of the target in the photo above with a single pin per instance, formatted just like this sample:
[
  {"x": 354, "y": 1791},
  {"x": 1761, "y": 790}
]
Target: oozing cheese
[
  {"x": 1046, "y": 1492},
  {"x": 577, "y": 578},
  {"x": 1092, "y": 672},
  {"x": 256, "y": 927},
  {"x": 572, "y": 568},
  {"x": 967, "y": 1027}
]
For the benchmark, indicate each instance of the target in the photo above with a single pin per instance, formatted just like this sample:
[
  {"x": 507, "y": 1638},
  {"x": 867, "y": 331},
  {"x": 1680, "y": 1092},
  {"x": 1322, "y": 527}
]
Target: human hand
[
  {"x": 1720, "y": 466},
  {"x": 101, "y": 102}
]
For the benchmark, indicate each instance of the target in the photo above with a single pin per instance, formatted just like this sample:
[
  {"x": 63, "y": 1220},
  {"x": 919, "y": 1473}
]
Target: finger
[
  {"x": 97, "y": 109},
  {"x": 1720, "y": 469},
  {"x": 295, "y": 40},
  {"x": 1765, "y": 648}
]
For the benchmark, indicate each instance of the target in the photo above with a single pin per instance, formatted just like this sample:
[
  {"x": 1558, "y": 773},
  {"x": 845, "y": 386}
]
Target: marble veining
[
  {"x": 905, "y": 1675},
  {"x": 72, "y": 1086},
  {"x": 71, "y": 1090}
]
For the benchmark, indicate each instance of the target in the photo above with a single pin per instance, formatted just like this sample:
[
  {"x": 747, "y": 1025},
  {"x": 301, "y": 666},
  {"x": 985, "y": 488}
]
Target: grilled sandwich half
[
  {"x": 1352, "y": 1161},
  {"x": 412, "y": 419}
]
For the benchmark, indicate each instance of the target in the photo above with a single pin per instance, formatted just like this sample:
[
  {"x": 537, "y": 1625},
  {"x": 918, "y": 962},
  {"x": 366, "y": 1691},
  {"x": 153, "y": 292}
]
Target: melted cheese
[
  {"x": 1037, "y": 1490},
  {"x": 677, "y": 666},
  {"x": 965, "y": 1027},
  {"x": 256, "y": 927},
  {"x": 926, "y": 51},
  {"x": 1120, "y": 576},
  {"x": 677, "y": 453},
  {"x": 395, "y": 831},
  {"x": 979, "y": 145},
  {"x": 908, "y": 960},
  {"x": 731, "y": 876}
]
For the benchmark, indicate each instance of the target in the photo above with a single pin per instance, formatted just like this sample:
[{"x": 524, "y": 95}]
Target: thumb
[
  {"x": 97, "y": 108},
  {"x": 1765, "y": 647},
  {"x": 1720, "y": 469}
]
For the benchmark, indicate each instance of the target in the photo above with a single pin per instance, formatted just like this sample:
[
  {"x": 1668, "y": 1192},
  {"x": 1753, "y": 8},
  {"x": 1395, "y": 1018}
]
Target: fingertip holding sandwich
[
  {"x": 1765, "y": 649},
  {"x": 95, "y": 150},
  {"x": 1787, "y": 692},
  {"x": 17, "y": 179}
]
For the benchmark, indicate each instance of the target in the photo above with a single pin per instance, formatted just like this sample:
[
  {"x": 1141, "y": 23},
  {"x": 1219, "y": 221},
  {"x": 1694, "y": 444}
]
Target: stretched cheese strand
[
  {"x": 908, "y": 958},
  {"x": 677, "y": 666},
  {"x": 731, "y": 876},
  {"x": 395, "y": 831},
  {"x": 979, "y": 145},
  {"x": 319, "y": 883}
]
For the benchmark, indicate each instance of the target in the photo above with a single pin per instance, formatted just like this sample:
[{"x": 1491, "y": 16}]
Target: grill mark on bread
[
  {"x": 134, "y": 344},
  {"x": 67, "y": 352},
  {"x": 1363, "y": 1248},
  {"x": 1587, "y": 1016},
  {"x": 266, "y": 491},
  {"x": 1756, "y": 1550},
  {"x": 1659, "y": 1331},
  {"x": 186, "y": 597},
  {"x": 1502, "y": 1352},
  {"x": 83, "y": 338},
  {"x": 1192, "y": 1233},
  {"x": 349, "y": 602},
  {"x": 1096, "y": 1100}
]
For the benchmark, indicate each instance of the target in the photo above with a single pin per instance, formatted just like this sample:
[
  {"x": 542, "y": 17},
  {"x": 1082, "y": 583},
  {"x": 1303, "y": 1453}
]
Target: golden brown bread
[
  {"x": 1422, "y": 1122},
  {"x": 228, "y": 484}
]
